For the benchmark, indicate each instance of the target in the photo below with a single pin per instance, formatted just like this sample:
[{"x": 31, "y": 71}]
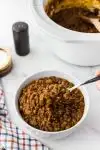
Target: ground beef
[
  {"x": 46, "y": 104},
  {"x": 70, "y": 18}
]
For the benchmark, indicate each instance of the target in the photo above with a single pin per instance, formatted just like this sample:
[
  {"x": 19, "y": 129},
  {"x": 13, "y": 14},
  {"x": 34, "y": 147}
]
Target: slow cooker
[{"x": 71, "y": 46}]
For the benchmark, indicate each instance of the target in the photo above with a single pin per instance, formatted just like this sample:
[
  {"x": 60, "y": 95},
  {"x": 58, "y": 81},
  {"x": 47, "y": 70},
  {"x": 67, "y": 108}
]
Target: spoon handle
[
  {"x": 96, "y": 24},
  {"x": 91, "y": 80}
]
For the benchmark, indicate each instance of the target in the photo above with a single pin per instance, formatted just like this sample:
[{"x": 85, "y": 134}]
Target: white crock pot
[
  {"x": 74, "y": 47},
  {"x": 44, "y": 134}
]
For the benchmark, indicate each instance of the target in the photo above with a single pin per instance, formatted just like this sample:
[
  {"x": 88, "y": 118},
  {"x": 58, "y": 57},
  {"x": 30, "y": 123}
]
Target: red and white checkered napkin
[{"x": 11, "y": 137}]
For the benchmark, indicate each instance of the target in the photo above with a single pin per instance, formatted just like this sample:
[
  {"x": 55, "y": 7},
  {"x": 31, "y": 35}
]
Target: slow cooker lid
[{"x": 56, "y": 30}]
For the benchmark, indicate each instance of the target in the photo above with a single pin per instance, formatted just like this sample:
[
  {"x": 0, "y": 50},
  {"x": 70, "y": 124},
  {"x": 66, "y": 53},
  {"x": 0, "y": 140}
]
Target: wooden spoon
[{"x": 94, "y": 21}]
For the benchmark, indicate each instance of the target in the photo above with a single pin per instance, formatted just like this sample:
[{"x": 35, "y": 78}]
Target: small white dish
[{"x": 45, "y": 134}]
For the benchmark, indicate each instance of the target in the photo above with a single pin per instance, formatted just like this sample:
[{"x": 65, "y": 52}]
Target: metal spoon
[
  {"x": 86, "y": 82},
  {"x": 94, "y": 21}
]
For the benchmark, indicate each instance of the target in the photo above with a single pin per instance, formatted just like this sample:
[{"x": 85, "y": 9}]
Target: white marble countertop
[{"x": 40, "y": 58}]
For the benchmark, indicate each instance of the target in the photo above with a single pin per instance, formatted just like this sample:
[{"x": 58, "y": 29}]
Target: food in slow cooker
[
  {"x": 68, "y": 14},
  {"x": 46, "y": 104}
]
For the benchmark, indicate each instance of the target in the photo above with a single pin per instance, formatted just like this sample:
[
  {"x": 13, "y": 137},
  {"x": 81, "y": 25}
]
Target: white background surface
[{"x": 41, "y": 58}]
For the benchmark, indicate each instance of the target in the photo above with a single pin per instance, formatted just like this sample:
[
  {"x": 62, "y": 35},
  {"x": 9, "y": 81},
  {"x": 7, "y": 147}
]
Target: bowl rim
[
  {"x": 55, "y": 30},
  {"x": 29, "y": 79}
]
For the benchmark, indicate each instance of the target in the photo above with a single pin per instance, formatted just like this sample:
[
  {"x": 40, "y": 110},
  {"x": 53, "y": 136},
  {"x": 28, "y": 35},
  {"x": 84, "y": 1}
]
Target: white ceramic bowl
[
  {"x": 74, "y": 47},
  {"x": 44, "y": 134}
]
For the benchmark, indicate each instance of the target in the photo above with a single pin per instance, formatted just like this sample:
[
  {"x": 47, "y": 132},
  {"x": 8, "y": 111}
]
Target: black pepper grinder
[{"x": 21, "y": 38}]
